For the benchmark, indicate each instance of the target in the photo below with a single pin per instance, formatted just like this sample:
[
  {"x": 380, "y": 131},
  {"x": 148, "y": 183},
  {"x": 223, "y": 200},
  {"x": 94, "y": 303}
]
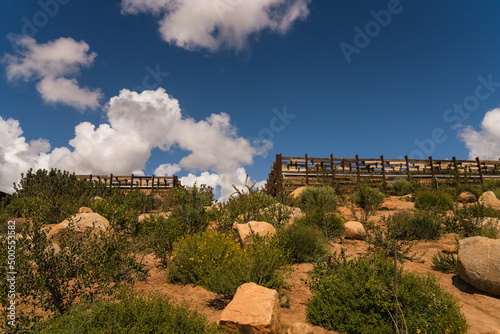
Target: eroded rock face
[
  {"x": 489, "y": 200},
  {"x": 260, "y": 228},
  {"x": 354, "y": 230},
  {"x": 254, "y": 309},
  {"x": 479, "y": 263},
  {"x": 81, "y": 222},
  {"x": 467, "y": 197}
]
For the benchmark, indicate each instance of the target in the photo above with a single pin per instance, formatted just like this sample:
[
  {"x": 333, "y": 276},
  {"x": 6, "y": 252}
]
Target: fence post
[
  {"x": 152, "y": 182},
  {"x": 176, "y": 181},
  {"x": 278, "y": 174},
  {"x": 357, "y": 167},
  {"x": 407, "y": 167},
  {"x": 383, "y": 171},
  {"x": 90, "y": 179},
  {"x": 432, "y": 167},
  {"x": 456, "y": 167},
  {"x": 111, "y": 180},
  {"x": 480, "y": 171},
  {"x": 331, "y": 165},
  {"x": 307, "y": 172}
]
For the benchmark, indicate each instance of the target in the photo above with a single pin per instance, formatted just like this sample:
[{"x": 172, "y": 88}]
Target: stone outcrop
[
  {"x": 81, "y": 222},
  {"x": 85, "y": 209},
  {"x": 354, "y": 230},
  {"x": 489, "y": 200},
  {"x": 259, "y": 228},
  {"x": 254, "y": 309},
  {"x": 297, "y": 192},
  {"x": 479, "y": 263},
  {"x": 467, "y": 197}
]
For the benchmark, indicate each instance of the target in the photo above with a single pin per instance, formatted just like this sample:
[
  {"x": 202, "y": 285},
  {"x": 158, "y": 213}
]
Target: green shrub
[
  {"x": 382, "y": 242},
  {"x": 433, "y": 200},
  {"x": 160, "y": 234},
  {"x": 332, "y": 225},
  {"x": 468, "y": 221},
  {"x": 401, "y": 187},
  {"x": 120, "y": 216},
  {"x": 446, "y": 263},
  {"x": 419, "y": 225},
  {"x": 139, "y": 315},
  {"x": 356, "y": 296},
  {"x": 303, "y": 243},
  {"x": 368, "y": 199},
  {"x": 218, "y": 264},
  {"x": 474, "y": 189},
  {"x": 190, "y": 203},
  {"x": 318, "y": 200}
]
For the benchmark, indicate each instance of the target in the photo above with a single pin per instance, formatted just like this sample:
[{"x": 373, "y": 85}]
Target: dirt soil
[{"x": 481, "y": 309}]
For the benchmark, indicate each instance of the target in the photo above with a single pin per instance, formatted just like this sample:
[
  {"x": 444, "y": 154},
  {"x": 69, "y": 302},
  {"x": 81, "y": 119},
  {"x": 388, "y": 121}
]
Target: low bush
[
  {"x": 318, "y": 200},
  {"x": 433, "y": 200},
  {"x": 190, "y": 207},
  {"x": 160, "y": 234},
  {"x": 419, "y": 225},
  {"x": 381, "y": 242},
  {"x": 446, "y": 263},
  {"x": 368, "y": 199},
  {"x": 218, "y": 264},
  {"x": 472, "y": 220},
  {"x": 401, "y": 187},
  {"x": 303, "y": 243},
  {"x": 340, "y": 288},
  {"x": 120, "y": 216},
  {"x": 473, "y": 189},
  {"x": 148, "y": 314}
]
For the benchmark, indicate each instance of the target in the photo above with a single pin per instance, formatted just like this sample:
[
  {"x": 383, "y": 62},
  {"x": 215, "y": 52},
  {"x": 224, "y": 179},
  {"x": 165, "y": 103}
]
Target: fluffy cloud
[
  {"x": 193, "y": 24},
  {"x": 484, "y": 144},
  {"x": 51, "y": 64},
  {"x": 137, "y": 124}
]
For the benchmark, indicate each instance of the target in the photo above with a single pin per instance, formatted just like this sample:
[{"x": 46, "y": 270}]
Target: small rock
[
  {"x": 300, "y": 328},
  {"x": 297, "y": 192},
  {"x": 144, "y": 216},
  {"x": 489, "y": 200},
  {"x": 449, "y": 249},
  {"x": 354, "y": 230},
  {"x": 467, "y": 197},
  {"x": 260, "y": 228},
  {"x": 254, "y": 309},
  {"x": 81, "y": 222},
  {"x": 388, "y": 205},
  {"x": 84, "y": 209},
  {"x": 479, "y": 263}
]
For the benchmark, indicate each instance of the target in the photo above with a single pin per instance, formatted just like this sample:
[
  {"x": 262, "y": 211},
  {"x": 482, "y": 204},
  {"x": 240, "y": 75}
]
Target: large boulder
[
  {"x": 259, "y": 228},
  {"x": 254, "y": 309},
  {"x": 467, "y": 197},
  {"x": 479, "y": 263},
  {"x": 489, "y": 200},
  {"x": 297, "y": 192},
  {"x": 81, "y": 222},
  {"x": 354, "y": 230}
]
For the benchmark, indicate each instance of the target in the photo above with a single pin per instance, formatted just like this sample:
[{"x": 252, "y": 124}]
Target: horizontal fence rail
[
  {"x": 133, "y": 181},
  {"x": 300, "y": 171}
]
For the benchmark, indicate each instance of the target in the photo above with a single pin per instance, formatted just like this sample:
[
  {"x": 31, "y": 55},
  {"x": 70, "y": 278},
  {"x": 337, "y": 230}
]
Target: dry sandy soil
[{"x": 481, "y": 310}]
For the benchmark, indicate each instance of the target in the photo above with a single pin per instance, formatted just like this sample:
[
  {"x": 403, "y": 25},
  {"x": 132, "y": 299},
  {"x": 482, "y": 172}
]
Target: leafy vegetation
[
  {"x": 433, "y": 200},
  {"x": 368, "y": 199},
  {"x": 446, "y": 263},
  {"x": 303, "y": 243},
  {"x": 419, "y": 225}
]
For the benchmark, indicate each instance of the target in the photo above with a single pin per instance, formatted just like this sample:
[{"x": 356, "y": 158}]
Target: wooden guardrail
[
  {"x": 300, "y": 171},
  {"x": 133, "y": 181}
]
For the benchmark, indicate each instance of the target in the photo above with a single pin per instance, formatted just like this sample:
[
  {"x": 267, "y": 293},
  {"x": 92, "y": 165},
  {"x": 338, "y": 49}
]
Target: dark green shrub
[
  {"x": 382, "y": 242},
  {"x": 446, "y": 263},
  {"x": 120, "y": 216},
  {"x": 332, "y": 225},
  {"x": 357, "y": 296},
  {"x": 419, "y": 225},
  {"x": 318, "y": 200},
  {"x": 401, "y": 187},
  {"x": 368, "y": 199},
  {"x": 160, "y": 234},
  {"x": 139, "y": 315},
  {"x": 190, "y": 203},
  {"x": 469, "y": 221},
  {"x": 433, "y": 200},
  {"x": 303, "y": 243},
  {"x": 218, "y": 264}
]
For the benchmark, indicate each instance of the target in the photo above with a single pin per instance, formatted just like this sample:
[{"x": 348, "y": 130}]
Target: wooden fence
[
  {"x": 300, "y": 171},
  {"x": 133, "y": 181}
]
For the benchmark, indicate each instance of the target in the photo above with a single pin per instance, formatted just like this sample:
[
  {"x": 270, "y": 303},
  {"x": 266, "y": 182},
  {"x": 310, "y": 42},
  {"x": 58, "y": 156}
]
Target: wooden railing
[
  {"x": 299, "y": 171},
  {"x": 133, "y": 181}
]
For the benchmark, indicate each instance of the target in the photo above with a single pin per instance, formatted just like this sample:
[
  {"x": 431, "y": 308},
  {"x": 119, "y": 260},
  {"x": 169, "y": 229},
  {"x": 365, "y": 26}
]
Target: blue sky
[{"x": 240, "y": 81}]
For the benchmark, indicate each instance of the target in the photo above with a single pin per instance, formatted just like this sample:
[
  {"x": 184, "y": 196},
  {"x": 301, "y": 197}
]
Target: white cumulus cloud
[
  {"x": 216, "y": 24},
  {"x": 54, "y": 65},
  {"x": 167, "y": 169},
  {"x": 485, "y": 143}
]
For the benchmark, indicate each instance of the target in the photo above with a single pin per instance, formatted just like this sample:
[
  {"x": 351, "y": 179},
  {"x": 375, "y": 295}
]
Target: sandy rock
[
  {"x": 297, "y": 192},
  {"x": 97, "y": 198},
  {"x": 387, "y": 205},
  {"x": 260, "y": 228},
  {"x": 85, "y": 209},
  {"x": 467, "y": 197},
  {"x": 81, "y": 221},
  {"x": 254, "y": 309},
  {"x": 489, "y": 200},
  {"x": 449, "y": 249},
  {"x": 354, "y": 230},
  {"x": 149, "y": 215},
  {"x": 479, "y": 263},
  {"x": 300, "y": 328}
]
